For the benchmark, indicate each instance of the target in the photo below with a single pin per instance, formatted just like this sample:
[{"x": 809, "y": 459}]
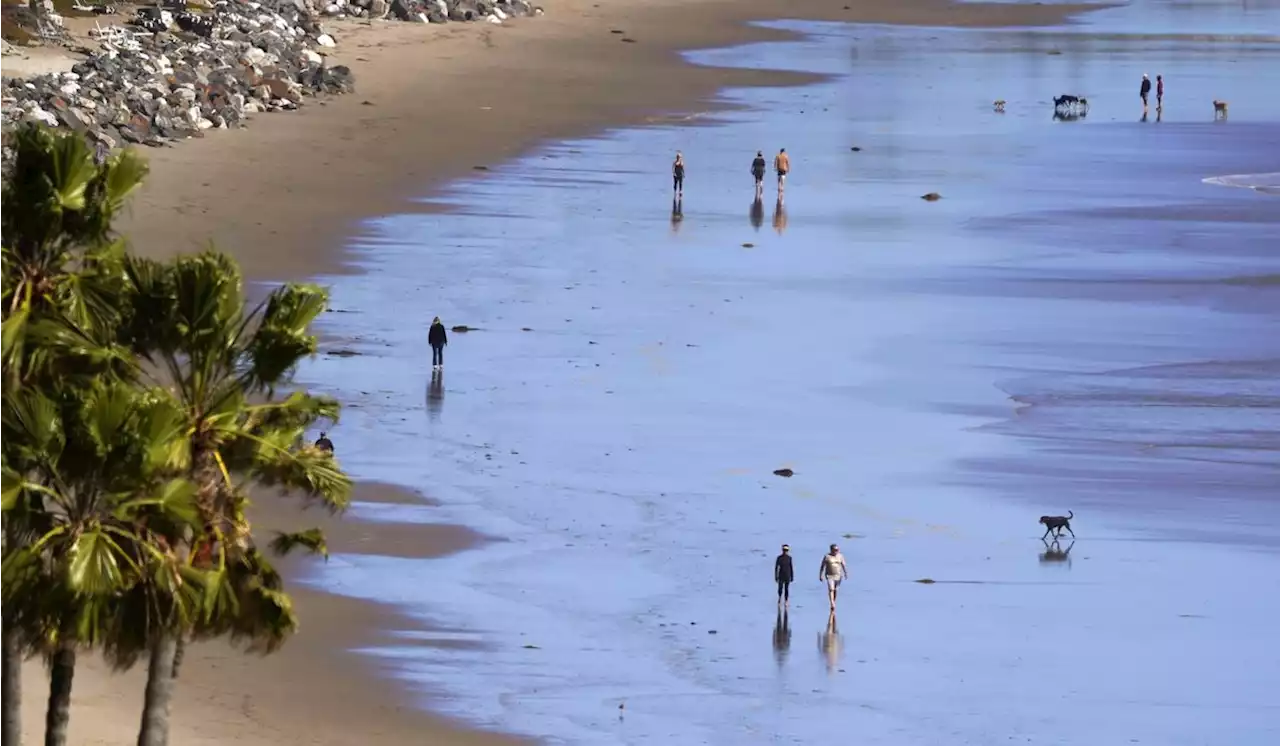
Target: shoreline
[{"x": 284, "y": 190}]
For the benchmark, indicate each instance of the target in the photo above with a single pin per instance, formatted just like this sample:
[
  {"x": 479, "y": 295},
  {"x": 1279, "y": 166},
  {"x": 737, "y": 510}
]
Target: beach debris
[
  {"x": 462, "y": 329},
  {"x": 168, "y": 73},
  {"x": 931, "y": 197},
  {"x": 748, "y": 245},
  {"x": 532, "y": 647},
  {"x": 342, "y": 352},
  {"x": 856, "y": 149},
  {"x": 998, "y": 105},
  {"x": 784, "y": 472},
  {"x": 628, "y": 40},
  {"x": 926, "y": 581}
]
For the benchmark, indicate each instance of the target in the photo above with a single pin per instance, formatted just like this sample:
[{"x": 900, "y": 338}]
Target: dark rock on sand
[
  {"x": 931, "y": 197},
  {"x": 926, "y": 581},
  {"x": 784, "y": 472},
  {"x": 343, "y": 352},
  {"x": 461, "y": 329}
]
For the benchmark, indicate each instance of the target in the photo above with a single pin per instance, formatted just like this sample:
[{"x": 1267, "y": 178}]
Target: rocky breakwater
[{"x": 176, "y": 71}]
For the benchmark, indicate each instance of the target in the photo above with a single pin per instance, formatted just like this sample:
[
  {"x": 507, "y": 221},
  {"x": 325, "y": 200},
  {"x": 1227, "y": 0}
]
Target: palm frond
[{"x": 312, "y": 540}]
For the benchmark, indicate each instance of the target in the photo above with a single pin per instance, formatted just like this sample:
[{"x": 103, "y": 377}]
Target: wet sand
[
  {"x": 638, "y": 371},
  {"x": 432, "y": 104}
]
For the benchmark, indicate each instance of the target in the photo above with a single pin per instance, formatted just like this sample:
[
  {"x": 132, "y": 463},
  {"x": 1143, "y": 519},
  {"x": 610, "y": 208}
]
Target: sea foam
[{"x": 1268, "y": 183}]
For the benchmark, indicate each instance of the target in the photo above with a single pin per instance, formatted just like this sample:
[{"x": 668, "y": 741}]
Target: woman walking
[{"x": 437, "y": 338}]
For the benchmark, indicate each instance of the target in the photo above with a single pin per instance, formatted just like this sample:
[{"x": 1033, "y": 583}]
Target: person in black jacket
[
  {"x": 324, "y": 444},
  {"x": 438, "y": 339},
  {"x": 1144, "y": 90},
  {"x": 784, "y": 573},
  {"x": 758, "y": 167}
]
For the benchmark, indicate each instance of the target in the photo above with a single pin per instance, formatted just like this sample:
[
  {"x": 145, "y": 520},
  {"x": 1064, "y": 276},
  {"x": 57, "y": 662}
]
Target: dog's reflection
[
  {"x": 757, "y": 212},
  {"x": 779, "y": 217},
  {"x": 1059, "y": 116},
  {"x": 435, "y": 394},
  {"x": 1054, "y": 553},
  {"x": 831, "y": 644},
  {"x": 677, "y": 213},
  {"x": 781, "y": 637}
]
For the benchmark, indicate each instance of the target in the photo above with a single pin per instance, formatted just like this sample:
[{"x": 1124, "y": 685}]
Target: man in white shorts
[{"x": 832, "y": 572}]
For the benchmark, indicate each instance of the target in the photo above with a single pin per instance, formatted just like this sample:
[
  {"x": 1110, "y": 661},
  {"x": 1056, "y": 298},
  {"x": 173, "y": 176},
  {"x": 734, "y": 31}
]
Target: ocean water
[{"x": 1080, "y": 323}]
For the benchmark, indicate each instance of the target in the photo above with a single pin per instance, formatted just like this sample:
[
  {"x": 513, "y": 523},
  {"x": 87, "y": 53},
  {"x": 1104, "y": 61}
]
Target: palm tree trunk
[
  {"x": 179, "y": 653},
  {"x": 12, "y": 680},
  {"x": 160, "y": 685},
  {"x": 57, "y": 718}
]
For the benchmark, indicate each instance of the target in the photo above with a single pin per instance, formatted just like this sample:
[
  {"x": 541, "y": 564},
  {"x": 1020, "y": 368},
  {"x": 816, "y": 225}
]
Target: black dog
[{"x": 1056, "y": 523}]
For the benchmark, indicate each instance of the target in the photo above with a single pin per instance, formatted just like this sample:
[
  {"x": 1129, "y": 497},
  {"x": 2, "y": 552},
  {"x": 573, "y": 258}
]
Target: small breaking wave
[{"x": 1268, "y": 183}]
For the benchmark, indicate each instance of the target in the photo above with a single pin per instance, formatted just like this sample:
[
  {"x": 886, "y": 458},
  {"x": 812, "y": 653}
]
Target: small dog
[
  {"x": 1219, "y": 109},
  {"x": 1055, "y": 524},
  {"x": 999, "y": 104}
]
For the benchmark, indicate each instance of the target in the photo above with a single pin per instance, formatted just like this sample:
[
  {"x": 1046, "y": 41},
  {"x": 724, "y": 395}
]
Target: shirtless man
[
  {"x": 832, "y": 572},
  {"x": 782, "y": 164}
]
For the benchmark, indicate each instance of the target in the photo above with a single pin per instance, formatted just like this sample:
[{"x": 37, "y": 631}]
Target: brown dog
[
  {"x": 1056, "y": 523},
  {"x": 1219, "y": 109}
]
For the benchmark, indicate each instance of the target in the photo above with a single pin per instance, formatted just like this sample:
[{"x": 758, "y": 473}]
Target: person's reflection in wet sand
[
  {"x": 781, "y": 637},
  {"x": 1159, "y": 113},
  {"x": 677, "y": 213},
  {"x": 779, "y": 217},
  {"x": 757, "y": 213},
  {"x": 435, "y": 394},
  {"x": 1054, "y": 553},
  {"x": 831, "y": 644},
  {"x": 1144, "y": 117}
]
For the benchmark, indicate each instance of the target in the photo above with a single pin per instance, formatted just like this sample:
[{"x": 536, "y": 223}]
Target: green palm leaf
[
  {"x": 96, "y": 564},
  {"x": 312, "y": 540}
]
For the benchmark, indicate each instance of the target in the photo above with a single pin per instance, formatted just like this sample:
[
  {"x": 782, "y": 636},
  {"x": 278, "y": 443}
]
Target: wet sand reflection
[
  {"x": 757, "y": 213},
  {"x": 831, "y": 644},
  {"x": 1054, "y": 553},
  {"x": 435, "y": 395},
  {"x": 677, "y": 213},
  {"x": 779, "y": 217},
  {"x": 781, "y": 637}
]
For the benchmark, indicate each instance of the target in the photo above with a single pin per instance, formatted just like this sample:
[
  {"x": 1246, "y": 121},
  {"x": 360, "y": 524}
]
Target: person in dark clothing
[
  {"x": 784, "y": 573},
  {"x": 677, "y": 174},
  {"x": 1144, "y": 90},
  {"x": 758, "y": 167},
  {"x": 324, "y": 444},
  {"x": 1159, "y": 92},
  {"x": 438, "y": 339}
]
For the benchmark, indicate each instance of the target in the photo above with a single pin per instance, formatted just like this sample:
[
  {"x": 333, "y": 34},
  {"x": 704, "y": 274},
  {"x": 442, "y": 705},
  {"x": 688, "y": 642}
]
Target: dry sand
[{"x": 432, "y": 103}]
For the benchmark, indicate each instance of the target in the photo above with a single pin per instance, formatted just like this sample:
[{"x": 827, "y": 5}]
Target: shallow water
[{"x": 1075, "y": 325}]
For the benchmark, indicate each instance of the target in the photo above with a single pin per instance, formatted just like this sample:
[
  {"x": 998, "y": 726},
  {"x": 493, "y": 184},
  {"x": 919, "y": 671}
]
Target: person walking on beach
[
  {"x": 832, "y": 572},
  {"x": 677, "y": 174},
  {"x": 782, "y": 164},
  {"x": 758, "y": 167},
  {"x": 784, "y": 573},
  {"x": 324, "y": 444},
  {"x": 437, "y": 338},
  {"x": 1159, "y": 93},
  {"x": 1144, "y": 90}
]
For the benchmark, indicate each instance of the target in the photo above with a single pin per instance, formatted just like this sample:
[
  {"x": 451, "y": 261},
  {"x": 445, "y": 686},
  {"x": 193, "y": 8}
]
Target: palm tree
[
  {"x": 61, "y": 277},
  {"x": 90, "y": 486},
  {"x": 223, "y": 363}
]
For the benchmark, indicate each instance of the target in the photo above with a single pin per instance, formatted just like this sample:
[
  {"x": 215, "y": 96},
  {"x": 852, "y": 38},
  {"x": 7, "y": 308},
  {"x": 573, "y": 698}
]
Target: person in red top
[{"x": 1159, "y": 92}]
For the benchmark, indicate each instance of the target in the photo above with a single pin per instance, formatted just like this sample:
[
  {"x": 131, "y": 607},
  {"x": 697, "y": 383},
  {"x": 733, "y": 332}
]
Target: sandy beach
[{"x": 431, "y": 105}]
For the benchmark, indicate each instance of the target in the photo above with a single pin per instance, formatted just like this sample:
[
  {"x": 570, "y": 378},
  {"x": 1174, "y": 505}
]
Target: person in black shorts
[
  {"x": 758, "y": 167},
  {"x": 677, "y": 174},
  {"x": 784, "y": 573}
]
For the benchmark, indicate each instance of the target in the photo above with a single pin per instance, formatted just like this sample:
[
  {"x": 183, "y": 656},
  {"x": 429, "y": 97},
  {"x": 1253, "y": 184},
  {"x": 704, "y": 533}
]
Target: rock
[
  {"x": 325, "y": 40},
  {"x": 931, "y": 197},
  {"x": 926, "y": 581},
  {"x": 343, "y": 352},
  {"x": 784, "y": 472},
  {"x": 379, "y": 8},
  {"x": 461, "y": 329}
]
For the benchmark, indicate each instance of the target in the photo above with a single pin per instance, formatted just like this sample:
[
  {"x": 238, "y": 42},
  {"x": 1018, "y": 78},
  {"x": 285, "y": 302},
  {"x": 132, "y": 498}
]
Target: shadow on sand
[{"x": 677, "y": 213}]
